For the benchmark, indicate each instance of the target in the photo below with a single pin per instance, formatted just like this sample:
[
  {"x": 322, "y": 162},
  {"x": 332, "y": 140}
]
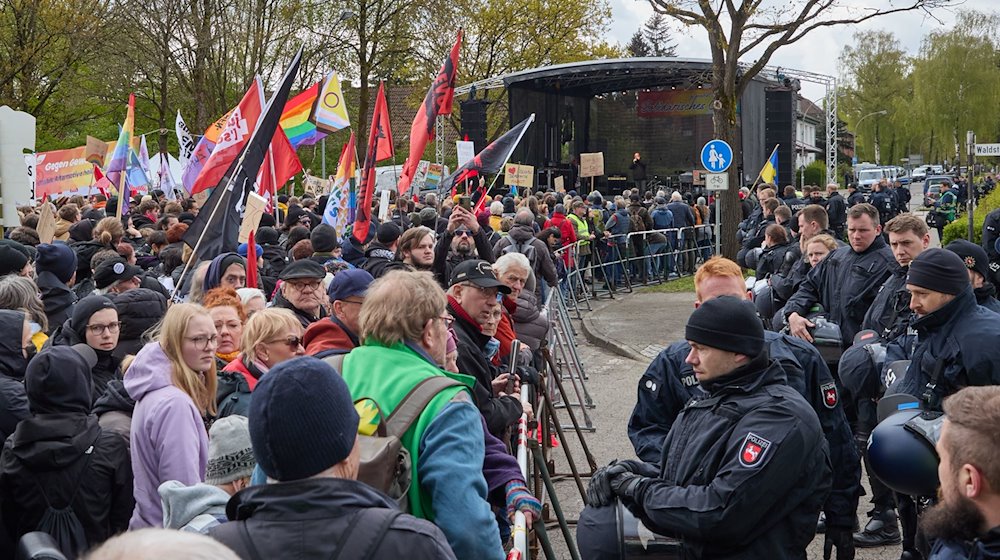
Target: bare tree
[{"x": 737, "y": 28}]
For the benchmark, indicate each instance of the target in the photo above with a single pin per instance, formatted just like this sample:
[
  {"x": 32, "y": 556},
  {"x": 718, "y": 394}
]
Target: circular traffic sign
[{"x": 716, "y": 156}]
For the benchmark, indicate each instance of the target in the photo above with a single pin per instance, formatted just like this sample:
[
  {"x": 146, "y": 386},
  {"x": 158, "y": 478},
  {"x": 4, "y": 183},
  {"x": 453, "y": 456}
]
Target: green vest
[
  {"x": 582, "y": 229},
  {"x": 386, "y": 374}
]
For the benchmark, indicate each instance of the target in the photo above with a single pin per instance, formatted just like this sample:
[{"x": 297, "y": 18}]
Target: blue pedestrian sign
[{"x": 716, "y": 156}]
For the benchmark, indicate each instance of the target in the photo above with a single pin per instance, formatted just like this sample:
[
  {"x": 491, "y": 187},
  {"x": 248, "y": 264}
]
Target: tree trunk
[{"x": 725, "y": 126}]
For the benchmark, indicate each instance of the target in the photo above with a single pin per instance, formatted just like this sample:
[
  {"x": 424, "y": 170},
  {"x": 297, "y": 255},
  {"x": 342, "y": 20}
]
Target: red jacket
[
  {"x": 327, "y": 334},
  {"x": 566, "y": 230}
]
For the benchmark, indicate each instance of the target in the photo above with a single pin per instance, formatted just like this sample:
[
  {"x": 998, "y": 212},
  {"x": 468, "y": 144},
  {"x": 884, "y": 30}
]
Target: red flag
[
  {"x": 251, "y": 262},
  {"x": 102, "y": 183},
  {"x": 281, "y": 163},
  {"x": 379, "y": 139},
  {"x": 438, "y": 101},
  {"x": 239, "y": 126}
]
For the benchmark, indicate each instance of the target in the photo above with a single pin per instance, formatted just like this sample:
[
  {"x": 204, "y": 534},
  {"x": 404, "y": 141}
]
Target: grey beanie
[{"x": 230, "y": 453}]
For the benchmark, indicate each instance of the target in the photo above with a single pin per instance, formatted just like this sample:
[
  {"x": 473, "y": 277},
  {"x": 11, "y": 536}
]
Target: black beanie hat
[
  {"x": 302, "y": 419},
  {"x": 58, "y": 380},
  {"x": 388, "y": 233},
  {"x": 56, "y": 258},
  {"x": 13, "y": 257},
  {"x": 323, "y": 238},
  {"x": 727, "y": 323},
  {"x": 85, "y": 309},
  {"x": 938, "y": 270},
  {"x": 973, "y": 255},
  {"x": 267, "y": 236}
]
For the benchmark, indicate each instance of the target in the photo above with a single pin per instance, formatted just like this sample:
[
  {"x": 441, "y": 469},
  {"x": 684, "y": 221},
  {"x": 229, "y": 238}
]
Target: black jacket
[
  {"x": 57, "y": 297},
  {"x": 48, "y": 453},
  {"x": 773, "y": 261},
  {"x": 275, "y": 260},
  {"x": 499, "y": 412},
  {"x": 669, "y": 383},
  {"x": 744, "y": 471},
  {"x": 986, "y": 297},
  {"x": 962, "y": 341},
  {"x": 445, "y": 260},
  {"x": 84, "y": 252},
  {"x": 836, "y": 210},
  {"x": 13, "y": 399},
  {"x": 380, "y": 260},
  {"x": 308, "y": 519},
  {"x": 845, "y": 283},
  {"x": 138, "y": 311},
  {"x": 114, "y": 409},
  {"x": 986, "y": 547}
]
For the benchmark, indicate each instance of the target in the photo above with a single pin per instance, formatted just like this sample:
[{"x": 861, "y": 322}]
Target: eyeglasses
[
  {"x": 448, "y": 320},
  {"x": 492, "y": 293},
  {"x": 204, "y": 342},
  {"x": 101, "y": 329},
  {"x": 463, "y": 233},
  {"x": 304, "y": 286},
  {"x": 293, "y": 342}
]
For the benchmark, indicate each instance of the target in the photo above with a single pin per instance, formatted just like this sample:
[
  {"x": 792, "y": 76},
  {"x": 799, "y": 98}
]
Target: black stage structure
[{"x": 659, "y": 107}]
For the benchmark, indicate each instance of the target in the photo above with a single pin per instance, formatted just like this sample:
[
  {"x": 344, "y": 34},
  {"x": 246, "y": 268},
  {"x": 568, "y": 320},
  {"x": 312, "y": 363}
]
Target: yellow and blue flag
[{"x": 770, "y": 170}]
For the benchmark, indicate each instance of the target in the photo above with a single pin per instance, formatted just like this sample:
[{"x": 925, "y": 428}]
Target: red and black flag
[
  {"x": 379, "y": 148},
  {"x": 438, "y": 101},
  {"x": 216, "y": 229},
  {"x": 491, "y": 159}
]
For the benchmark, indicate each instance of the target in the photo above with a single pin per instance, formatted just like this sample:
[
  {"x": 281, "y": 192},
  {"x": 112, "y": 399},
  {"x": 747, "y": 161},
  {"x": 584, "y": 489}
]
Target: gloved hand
[
  {"x": 599, "y": 491},
  {"x": 628, "y": 485},
  {"x": 841, "y": 538},
  {"x": 528, "y": 375},
  {"x": 641, "y": 467}
]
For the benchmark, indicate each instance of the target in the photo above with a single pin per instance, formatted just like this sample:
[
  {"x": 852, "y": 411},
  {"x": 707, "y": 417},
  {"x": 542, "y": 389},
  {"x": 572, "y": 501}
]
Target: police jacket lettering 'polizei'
[{"x": 745, "y": 469}]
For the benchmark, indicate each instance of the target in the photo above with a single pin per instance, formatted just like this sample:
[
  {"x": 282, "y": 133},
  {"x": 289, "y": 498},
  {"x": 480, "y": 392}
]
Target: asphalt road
[{"x": 612, "y": 385}]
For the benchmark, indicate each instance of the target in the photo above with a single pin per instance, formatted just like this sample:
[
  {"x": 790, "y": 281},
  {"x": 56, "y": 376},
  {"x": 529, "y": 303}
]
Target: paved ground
[{"x": 629, "y": 331}]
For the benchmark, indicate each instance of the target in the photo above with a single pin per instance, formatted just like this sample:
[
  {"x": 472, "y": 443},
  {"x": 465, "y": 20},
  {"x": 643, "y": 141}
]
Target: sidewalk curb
[{"x": 597, "y": 337}]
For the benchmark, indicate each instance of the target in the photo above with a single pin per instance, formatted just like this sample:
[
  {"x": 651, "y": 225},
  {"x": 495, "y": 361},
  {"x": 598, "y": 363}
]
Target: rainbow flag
[{"x": 295, "y": 118}]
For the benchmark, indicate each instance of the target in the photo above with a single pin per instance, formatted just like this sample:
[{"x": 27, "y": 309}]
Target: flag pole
[
  {"x": 752, "y": 187},
  {"x": 531, "y": 119}
]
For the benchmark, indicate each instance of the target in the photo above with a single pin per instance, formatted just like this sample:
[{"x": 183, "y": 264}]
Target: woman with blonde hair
[
  {"x": 173, "y": 381},
  {"x": 109, "y": 232},
  {"x": 270, "y": 337}
]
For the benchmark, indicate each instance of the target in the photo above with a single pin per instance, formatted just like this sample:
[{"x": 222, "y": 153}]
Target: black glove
[
  {"x": 528, "y": 375},
  {"x": 599, "y": 491},
  {"x": 640, "y": 467},
  {"x": 628, "y": 485},
  {"x": 843, "y": 539}
]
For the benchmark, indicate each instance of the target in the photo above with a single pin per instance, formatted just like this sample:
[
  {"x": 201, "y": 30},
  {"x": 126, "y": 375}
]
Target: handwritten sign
[{"x": 592, "y": 165}]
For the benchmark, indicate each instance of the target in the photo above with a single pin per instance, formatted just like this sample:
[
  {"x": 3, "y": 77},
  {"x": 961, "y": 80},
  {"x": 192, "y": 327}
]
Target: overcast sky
[{"x": 820, "y": 51}]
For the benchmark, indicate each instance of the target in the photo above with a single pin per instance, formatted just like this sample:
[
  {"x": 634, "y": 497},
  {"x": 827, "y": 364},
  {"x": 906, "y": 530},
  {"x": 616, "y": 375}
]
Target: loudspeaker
[
  {"x": 474, "y": 121},
  {"x": 779, "y": 128}
]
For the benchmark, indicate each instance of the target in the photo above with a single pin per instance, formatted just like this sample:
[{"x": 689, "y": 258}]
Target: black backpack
[
  {"x": 63, "y": 523},
  {"x": 527, "y": 249}
]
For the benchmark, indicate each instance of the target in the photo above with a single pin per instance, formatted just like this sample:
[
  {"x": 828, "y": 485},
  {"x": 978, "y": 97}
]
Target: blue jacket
[
  {"x": 985, "y": 548},
  {"x": 669, "y": 383}
]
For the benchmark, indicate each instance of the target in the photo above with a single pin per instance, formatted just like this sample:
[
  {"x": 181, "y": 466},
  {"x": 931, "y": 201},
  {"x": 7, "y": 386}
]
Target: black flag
[
  {"x": 491, "y": 158},
  {"x": 216, "y": 229}
]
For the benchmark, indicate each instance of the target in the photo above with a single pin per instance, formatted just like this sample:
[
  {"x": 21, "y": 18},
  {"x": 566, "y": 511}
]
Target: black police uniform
[
  {"x": 991, "y": 232},
  {"x": 845, "y": 283},
  {"x": 885, "y": 203},
  {"x": 743, "y": 475},
  {"x": 836, "y": 211},
  {"x": 669, "y": 383},
  {"x": 856, "y": 198},
  {"x": 956, "y": 346}
]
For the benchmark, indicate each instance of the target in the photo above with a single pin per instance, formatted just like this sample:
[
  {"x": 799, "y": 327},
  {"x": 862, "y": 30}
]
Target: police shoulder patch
[
  {"x": 753, "y": 450},
  {"x": 829, "y": 394}
]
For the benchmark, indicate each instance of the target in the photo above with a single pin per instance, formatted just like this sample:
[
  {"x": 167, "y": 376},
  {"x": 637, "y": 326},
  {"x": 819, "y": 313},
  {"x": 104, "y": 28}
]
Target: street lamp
[{"x": 857, "y": 127}]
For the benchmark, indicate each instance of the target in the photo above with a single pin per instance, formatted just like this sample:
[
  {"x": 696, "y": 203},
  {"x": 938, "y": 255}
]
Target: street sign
[
  {"x": 987, "y": 150},
  {"x": 717, "y": 181},
  {"x": 716, "y": 156}
]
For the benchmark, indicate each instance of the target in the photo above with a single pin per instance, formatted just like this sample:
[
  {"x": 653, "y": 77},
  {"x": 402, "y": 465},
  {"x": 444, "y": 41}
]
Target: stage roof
[{"x": 595, "y": 77}]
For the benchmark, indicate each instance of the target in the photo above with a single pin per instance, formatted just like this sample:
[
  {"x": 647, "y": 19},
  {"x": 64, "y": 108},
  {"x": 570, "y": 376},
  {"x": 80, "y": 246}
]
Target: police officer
[
  {"x": 744, "y": 469},
  {"x": 991, "y": 232},
  {"x": 889, "y": 318},
  {"x": 884, "y": 201},
  {"x": 956, "y": 344},
  {"x": 836, "y": 209},
  {"x": 846, "y": 281},
  {"x": 670, "y": 382},
  {"x": 979, "y": 272},
  {"x": 854, "y": 195}
]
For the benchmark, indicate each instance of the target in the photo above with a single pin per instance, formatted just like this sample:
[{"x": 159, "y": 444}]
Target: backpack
[
  {"x": 385, "y": 463},
  {"x": 527, "y": 249},
  {"x": 62, "y": 523}
]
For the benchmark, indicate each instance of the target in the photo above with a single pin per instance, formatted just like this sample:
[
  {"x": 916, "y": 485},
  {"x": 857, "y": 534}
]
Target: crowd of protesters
[{"x": 143, "y": 390}]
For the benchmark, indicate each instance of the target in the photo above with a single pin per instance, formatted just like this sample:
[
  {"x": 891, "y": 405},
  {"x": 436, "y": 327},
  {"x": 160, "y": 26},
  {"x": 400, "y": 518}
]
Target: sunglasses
[
  {"x": 293, "y": 342},
  {"x": 463, "y": 233}
]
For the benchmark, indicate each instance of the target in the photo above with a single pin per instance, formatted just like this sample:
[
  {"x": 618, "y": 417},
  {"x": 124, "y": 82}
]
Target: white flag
[
  {"x": 185, "y": 140},
  {"x": 167, "y": 184}
]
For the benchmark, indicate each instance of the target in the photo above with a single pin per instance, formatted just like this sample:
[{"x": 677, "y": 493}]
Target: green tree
[
  {"x": 656, "y": 31},
  {"x": 637, "y": 45}
]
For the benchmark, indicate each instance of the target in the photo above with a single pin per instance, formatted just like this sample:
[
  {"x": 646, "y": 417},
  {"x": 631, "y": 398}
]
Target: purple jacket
[{"x": 169, "y": 441}]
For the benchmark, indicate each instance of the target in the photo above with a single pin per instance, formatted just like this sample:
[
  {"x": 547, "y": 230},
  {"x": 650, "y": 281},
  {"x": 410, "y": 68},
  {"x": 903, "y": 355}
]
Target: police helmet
[
  {"x": 901, "y": 452},
  {"x": 752, "y": 256},
  {"x": 826, "y": 338}
]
